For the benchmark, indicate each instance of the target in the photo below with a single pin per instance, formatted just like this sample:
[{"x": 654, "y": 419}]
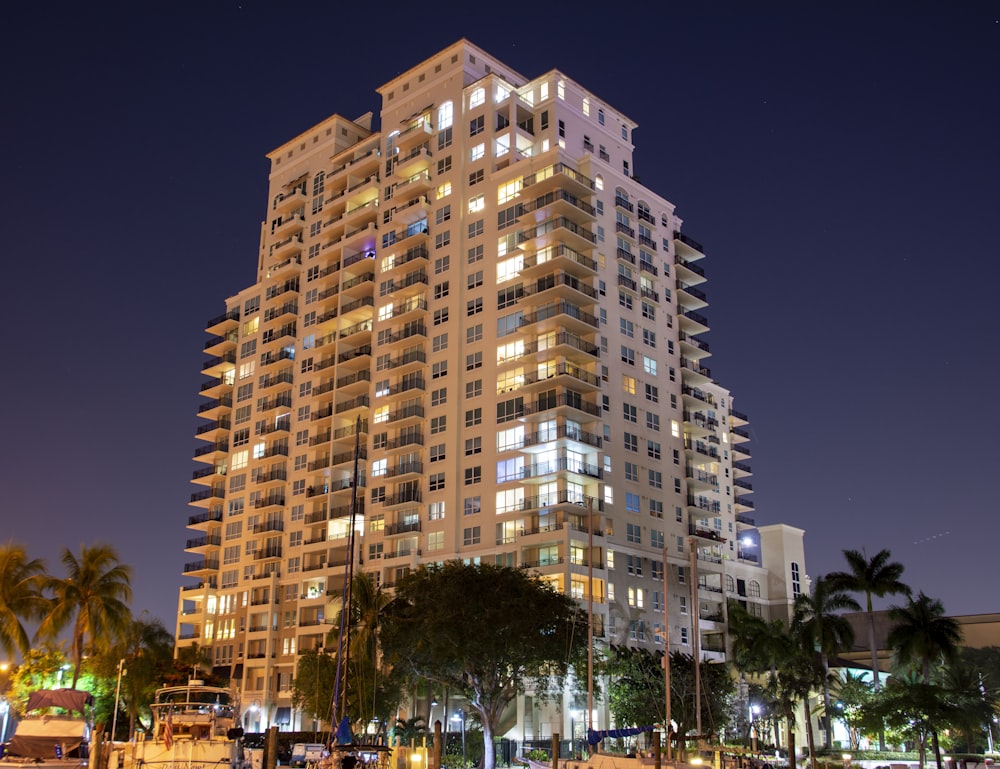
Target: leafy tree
[
  {"x": 915, "y": 708},
  {"x": 636, "y": 690},
  {"x": 636, "y": 685},
  {"x": 21, "y": 598},
  {"x": 717, "y": 692},
  {"x": 854, "y": 698},
  {"x": 312, "y": 687},
  {"x": 823, "y": 629},
  {"x": 40, "y": 669},
  {"x": 974, "y": 702},
  {"x": 485, "y": 631},
  {"x": 93, "y": 597}
]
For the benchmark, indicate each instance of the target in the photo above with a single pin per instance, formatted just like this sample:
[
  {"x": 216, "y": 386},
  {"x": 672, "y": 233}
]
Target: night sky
[{"x": 839, "y": 161}]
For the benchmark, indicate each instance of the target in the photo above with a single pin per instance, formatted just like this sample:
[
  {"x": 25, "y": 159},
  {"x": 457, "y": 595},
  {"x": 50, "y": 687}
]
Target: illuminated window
[
  {"x": 478, "y": 152},
  {"x": 509, "y": 191},
  {"x": 446, "y": 115},
  {"x": 477, "y": 203},
  {"x": 586, "y": 107},
  {"x": 477, "y": 98},
  {"x": 443, "y": 190},
  {"x": 561, "y": 89}
]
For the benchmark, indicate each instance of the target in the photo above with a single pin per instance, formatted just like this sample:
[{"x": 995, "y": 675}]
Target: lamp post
[
  {"x": 460, "y": 716},
  {"x": 118, "y": 692}
]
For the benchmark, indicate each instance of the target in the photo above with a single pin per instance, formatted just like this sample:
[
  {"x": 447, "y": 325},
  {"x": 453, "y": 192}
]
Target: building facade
[{"x": 482, "y": 303}]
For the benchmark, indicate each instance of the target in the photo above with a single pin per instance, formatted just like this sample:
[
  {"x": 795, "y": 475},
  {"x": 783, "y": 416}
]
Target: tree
[
  {"x": 21, "y": 598},
  {"x": 916, "y": 708},
  {"x": 312, "y": 687},
  {"x": 485, "y": 631},
  {"x": 94, "y": 597},
  {"x": 825, "y": 631},
  {"x": 922, "y": 635},
  {"x": 877, "y": 576},
  {"x": 635, "y": 685},
  {"x": 146, "y": 651},
  {"x": 854, "y": 695},
  {"x": 759, "y": 648},
  {"x": 372, "y": 689}
]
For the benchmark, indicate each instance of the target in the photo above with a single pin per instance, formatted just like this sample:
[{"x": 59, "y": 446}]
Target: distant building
[{"x": 513, "y": 323}]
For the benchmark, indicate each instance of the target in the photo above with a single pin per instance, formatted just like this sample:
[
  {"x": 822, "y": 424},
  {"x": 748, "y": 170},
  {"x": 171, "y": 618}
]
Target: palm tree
[
  {"x": 147, "y": 649},
  {"x": 762, "y": 648},
  {"x": 877, "y": 576},
  {"x": 825, "y": 631},
  {"x": 21, "y": 582},
  {"x": 368, "y": 607},
  {"x": 94, "y": 597},
  {"x": 922, "y": 634}
]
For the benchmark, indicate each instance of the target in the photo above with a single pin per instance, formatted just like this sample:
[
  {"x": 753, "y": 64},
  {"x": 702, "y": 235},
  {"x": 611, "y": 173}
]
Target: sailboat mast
[{"x": 349, "y": 577}]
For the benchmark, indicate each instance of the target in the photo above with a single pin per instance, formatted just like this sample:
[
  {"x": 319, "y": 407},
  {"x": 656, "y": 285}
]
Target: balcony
[
  {"x": 570, "y": 317},
  {"x": 290, "y": 200},
  {"x": 201, "y": 567},
  {"x": 559, "y": 256},
  {"x": 221, "y": 324},
  {"x": 551, "y": 374},
  {"x": 418, "y": 133},
  {"x": 404, "y": 527},
  {"x": 562, "y": 432},
  {"x": 212, "y": 451},
  {"x": 285, "y": 248},
  {"x": 693, "y": 323},
  {"x": 202, "y": 520},
  {"x": 200, "y": 544},
  {"x": 624, "y": 204},
  {"x": 623, "y": 229},
  {"x": 206, "y": 495},
  {"x": 218, "y": 345},
  {"x": 413, "y": 185},
  {"x": 558, "y": 465},
  {"x": 413, "y": 162},
  {"x": 559, "y": 176},
  {"x": 268, "y": 553},
  {"x": 557, "y": 230},
  {"x": 288, "y": 224},
  {"x": 219, "y": 365},
  {"x": 688, "y": 247},
  {"x": 558, "y": 402},
  {"x": 550, "y": 345}
]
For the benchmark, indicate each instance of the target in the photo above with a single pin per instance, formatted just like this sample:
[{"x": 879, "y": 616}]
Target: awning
[{"x": 283, "y": 717}]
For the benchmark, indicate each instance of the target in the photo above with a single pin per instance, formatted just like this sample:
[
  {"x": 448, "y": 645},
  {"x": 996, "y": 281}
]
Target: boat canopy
[{"x": 72, "y": 700}]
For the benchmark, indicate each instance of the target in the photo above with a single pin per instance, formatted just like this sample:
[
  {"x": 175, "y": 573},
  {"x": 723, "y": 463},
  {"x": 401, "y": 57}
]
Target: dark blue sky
[{"x": 839, "y": 161}]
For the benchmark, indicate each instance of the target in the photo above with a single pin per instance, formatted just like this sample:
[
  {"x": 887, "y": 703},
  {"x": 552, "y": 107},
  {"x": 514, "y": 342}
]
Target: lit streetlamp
[{"x": 460, "y": 716}]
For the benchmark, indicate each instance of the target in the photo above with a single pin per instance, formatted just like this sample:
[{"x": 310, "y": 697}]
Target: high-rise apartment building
[{"x": 508, "y": 326}]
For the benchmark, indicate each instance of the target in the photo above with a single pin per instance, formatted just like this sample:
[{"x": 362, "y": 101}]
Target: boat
[
  {"x": 56, "y": 727},
  {"x": 195, "y": 726}
]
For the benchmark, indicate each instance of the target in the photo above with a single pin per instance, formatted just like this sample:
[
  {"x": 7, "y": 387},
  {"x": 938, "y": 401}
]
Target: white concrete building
[{"x": 514, "y": 321}]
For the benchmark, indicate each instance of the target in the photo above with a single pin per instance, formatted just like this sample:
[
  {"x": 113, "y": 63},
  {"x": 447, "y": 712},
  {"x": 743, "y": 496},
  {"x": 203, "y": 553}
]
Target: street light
[{"x": 460, "y": 716}]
